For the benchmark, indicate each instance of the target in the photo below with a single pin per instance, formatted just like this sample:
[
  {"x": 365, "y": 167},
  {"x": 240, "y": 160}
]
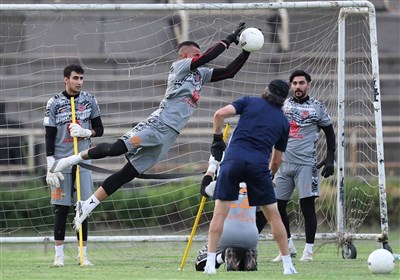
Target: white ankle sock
[
  {"x": 92, "y": 203},
  {"x": 59, "y": 250},
  {"x": 286, "y": 260},
  {"x": 84, "y": 250},
  {"x": 309, "y": 247},
  {"x": 211, "y": 259}
]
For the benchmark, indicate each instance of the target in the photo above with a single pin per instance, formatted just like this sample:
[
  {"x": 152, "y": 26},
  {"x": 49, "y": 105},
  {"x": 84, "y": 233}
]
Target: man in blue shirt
[{"x": 262, "y": 129}]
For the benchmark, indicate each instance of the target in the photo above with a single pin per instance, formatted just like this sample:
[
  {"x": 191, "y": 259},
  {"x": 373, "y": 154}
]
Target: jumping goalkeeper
[{"x": 150, "y": 140}]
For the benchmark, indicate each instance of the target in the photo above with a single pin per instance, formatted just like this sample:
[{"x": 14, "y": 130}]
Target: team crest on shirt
[
  {"x": 305, "y": 115},
  {"x": 81, "y": 107},
  {"x": 195, "y": 96}
]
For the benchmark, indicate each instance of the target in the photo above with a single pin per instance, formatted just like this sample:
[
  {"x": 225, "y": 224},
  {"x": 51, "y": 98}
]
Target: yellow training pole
[
  {"x": 78, "y": 181},
  {"x": 196, "y": 221}
]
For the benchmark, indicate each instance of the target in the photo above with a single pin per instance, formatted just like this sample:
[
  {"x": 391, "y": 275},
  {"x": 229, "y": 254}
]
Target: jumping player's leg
[
  {"x": 109, "y": 186},
  {"x": 100, "y": 151}
]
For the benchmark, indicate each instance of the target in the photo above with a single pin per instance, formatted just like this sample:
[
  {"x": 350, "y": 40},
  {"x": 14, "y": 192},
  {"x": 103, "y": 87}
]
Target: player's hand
[
  {"x": 329, "y": 165},
  {"x": 213, "y": 164},
  {"x": 234, "y": 36},
  {"x": 77, "y": 131},
  {"x": 53, "y": 179},
  {"x": 218, "y": 147}
]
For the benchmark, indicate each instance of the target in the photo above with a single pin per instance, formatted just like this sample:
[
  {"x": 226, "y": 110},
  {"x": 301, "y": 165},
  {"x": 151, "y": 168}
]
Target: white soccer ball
[
  {"x": 251, "y": 39},
  {"x": 381, "y": 261}
]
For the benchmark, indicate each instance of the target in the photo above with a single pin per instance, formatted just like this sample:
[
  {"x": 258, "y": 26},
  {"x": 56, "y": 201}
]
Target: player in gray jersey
[
  {"x": 150, "y": 140},
  {"x": 299, "y": 167},
  {"x": 59, "y": 142}
]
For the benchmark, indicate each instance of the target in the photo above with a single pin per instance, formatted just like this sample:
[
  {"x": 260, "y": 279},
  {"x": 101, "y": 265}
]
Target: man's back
[{"x": 260, "y": 127}]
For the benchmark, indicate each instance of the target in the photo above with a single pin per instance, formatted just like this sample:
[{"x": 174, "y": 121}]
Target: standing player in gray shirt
[
  {"x": 150, "y": 140},
  {"x": 299, "y": 167},
  {"x": 59, "y": 142}
]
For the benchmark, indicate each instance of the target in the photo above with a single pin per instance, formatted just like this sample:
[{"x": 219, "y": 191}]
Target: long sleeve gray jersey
[
  {"x": 182, "y": 94},
  {"x": 58, "y": 114},
  {"x": 305, "y": 121}
]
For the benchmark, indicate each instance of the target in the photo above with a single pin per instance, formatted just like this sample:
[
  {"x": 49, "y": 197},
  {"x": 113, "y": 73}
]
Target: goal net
[{"x": 126, "y": 51}]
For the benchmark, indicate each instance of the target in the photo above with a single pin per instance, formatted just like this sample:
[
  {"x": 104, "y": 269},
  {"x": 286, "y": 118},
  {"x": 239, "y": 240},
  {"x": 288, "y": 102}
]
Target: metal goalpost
[{"x": 343, "y": 238}]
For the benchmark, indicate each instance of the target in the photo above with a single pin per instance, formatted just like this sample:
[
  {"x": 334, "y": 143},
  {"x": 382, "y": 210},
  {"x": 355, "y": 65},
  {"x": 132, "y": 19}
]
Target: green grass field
[{"x": 161, "y": 260}]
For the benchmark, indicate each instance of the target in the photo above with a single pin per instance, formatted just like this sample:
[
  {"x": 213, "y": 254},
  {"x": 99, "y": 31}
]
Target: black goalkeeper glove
[
  {"x": 218, "y": 147},
  {"x": 207, "y": 179},
  {"x": 234, "y": 36},
  {"x": 329, "y": 165}
]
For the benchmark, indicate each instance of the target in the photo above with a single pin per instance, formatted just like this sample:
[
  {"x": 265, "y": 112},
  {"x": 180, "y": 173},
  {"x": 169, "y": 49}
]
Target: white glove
[
  {"x": 53, "y": 179},
  {"x": 210, "y": 189},
  {"x": 212, "y": 164},
  {"x": 77, "y": 131}
]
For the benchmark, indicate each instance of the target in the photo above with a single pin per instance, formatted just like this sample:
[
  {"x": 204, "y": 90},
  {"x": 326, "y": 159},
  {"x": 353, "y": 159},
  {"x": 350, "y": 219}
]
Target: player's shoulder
[
  {"x": 55, "y": 99},
  {"x": 86, "y": 94},
  {"x": 315, "y": 101}
]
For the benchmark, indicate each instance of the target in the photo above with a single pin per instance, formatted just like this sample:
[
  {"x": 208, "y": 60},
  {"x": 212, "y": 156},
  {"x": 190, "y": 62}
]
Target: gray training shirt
[
  {"x": 58, "y": 114},
  {"x": 305, "y": 120},
  {"x": 182, "y": 94}
]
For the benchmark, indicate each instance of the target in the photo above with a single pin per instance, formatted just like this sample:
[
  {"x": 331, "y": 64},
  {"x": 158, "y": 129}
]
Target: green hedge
[{"x": 174, "y": 206}]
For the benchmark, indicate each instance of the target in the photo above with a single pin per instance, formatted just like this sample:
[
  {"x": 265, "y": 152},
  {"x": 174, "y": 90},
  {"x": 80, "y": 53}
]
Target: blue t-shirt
[{"x": 261, "y": 126}]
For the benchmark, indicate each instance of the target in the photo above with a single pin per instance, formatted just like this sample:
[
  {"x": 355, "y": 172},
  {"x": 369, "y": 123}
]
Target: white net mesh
[{"x": 126, "y": 56}]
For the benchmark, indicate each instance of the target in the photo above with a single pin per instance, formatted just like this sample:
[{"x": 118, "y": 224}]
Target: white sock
[
  {"x": 84, "y": 249},
  {"x": 219, "y": 259},
  {"x": 309, "y": 247},
  {"x": 59, "y": 250},
  {"x": 75, "y": 159},
  {"x": 290, "y": 242},
  {"x": 211, "y": 259},
  {"x": 287, "y": 261},
  {"x": 91, "y": 203}
]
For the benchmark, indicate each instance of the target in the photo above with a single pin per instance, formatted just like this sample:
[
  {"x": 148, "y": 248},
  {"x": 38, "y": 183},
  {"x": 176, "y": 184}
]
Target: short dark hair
[
  {"x": 300, "y": 73},
  {"x": 73, "y": 67},
  {"x": 187, "y": 43}
]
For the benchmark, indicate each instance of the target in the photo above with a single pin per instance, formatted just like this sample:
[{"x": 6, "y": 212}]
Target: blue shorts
[{"x": 256, "y": 175}]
